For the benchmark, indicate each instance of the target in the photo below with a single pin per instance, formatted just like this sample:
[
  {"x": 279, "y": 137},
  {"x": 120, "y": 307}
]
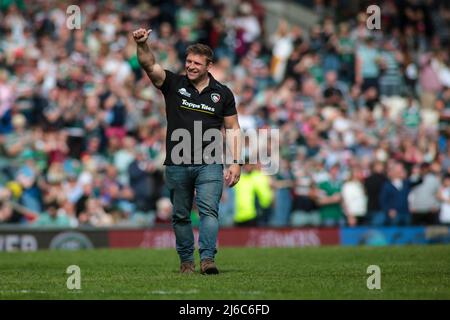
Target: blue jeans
[{"x": 207, "y": 181}]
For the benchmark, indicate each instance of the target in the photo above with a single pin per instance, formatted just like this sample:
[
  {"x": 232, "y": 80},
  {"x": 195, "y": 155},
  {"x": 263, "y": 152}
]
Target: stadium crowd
[{"x": 363, "y": 114}]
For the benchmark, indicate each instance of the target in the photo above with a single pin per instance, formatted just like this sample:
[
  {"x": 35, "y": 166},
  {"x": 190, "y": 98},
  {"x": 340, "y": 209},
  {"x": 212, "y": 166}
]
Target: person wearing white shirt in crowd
[
  {"x": 354, "y": 198},
  {"x": 444, "y": 197}
]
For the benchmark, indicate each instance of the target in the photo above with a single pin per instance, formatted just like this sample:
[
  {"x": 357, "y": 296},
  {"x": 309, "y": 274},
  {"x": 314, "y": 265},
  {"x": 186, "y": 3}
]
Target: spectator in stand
[
  {"x": 354, "y": 199},
  {"x": 18, "y": 142},
  {"x": 334, "y": 92},
  {"x": 9, "y": 215},
  {"x": 329, "y": 199},
  {"x": 394, "y": 196},
  {"x": 282, "y": 48},
  {"x": 164, "y": 210},
  {"x": 392, "y": 59},
  {"x": 282, "y": 183},
  {"x": 94, "y": 214},
  {"x": 444, "y": 197},
  {"x": 443, "y": 107},
  {"x": 423, "y": 199},
  {"x": 346, "y": 47},
  {"x": 373, "y": 185},
  {"x": 305, "y": 208},
  {"x": 142, "y": 181},
  {"x": 368, "y": 63},
  {"x": 253, "y": 197},
  {"x": 411, "y": 118},
  {"x": 52, "y": 218},
  {"x": 247, "y": 27},
  {"x": 429, "y": 79},
  {"x": 245, "y": 197},
  {"x": 6, "y": 101}
]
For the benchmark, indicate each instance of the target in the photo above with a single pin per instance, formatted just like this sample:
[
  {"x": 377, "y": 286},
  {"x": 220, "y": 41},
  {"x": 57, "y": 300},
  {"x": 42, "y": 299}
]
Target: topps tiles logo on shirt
[{"x": 193, "y": 106}]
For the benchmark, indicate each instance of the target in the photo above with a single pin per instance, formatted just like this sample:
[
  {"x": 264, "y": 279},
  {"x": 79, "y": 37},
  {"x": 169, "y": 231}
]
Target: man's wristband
[{"x": 238, "y": 162}]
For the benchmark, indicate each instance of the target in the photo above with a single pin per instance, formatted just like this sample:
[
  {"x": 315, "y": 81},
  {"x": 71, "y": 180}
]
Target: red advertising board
[{"x": 232, "y": 237}]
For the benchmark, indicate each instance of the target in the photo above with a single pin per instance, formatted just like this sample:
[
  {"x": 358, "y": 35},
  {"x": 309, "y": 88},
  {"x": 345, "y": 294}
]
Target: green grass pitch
[{"x": 407, "y": 272}]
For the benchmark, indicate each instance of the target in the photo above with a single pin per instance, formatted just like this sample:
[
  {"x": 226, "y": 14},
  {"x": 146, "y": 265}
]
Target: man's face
[
  {"x": 447, "y": 182},
  {"x": 334, "y": 172},
  {"x": 399, "y": 172},
  {"x": 331, "y": 77},
  {"x": 197, "y": 67}
]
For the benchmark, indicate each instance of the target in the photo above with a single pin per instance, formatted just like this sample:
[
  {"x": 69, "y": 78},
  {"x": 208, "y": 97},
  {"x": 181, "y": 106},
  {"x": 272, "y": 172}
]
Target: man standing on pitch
[{"x": 191, "y": 100}]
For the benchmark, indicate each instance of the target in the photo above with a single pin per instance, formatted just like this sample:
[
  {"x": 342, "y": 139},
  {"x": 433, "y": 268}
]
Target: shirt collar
[{"x": 213, "y": 84}]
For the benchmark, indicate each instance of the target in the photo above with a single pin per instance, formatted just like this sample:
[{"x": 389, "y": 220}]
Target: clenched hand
[{"x": 141, "y": 35}]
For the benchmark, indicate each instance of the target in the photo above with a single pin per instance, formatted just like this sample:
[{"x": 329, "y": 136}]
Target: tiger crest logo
[{"x": 215, "y": 97}]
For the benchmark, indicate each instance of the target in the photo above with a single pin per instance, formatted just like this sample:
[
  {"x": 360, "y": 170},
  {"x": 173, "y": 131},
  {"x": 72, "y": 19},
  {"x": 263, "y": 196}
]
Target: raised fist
[{"x": 141, "y": 35}]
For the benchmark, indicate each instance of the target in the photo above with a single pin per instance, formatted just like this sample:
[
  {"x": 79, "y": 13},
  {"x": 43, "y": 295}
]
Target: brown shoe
[
  {"x": 187, "y": 267},
  {"x": 207, "y": 266}
]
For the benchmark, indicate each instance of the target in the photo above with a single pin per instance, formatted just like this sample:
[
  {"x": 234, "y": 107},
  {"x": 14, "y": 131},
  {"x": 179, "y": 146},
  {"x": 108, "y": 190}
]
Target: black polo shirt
[{"x": 185, "y": 106}]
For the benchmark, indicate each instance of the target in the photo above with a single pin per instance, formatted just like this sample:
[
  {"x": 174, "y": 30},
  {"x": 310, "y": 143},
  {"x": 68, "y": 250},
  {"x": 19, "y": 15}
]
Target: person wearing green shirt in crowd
[
  {"x": 329, "y": 199},
  {"x": 18, "y": 145},
  {"x": 316, "y": 70},
  {"x": 346, "y": 48},
  {"x": 187, "y": 16},
  {"x": 51, "y": 218},
  {"x": 411, "y": 117}
]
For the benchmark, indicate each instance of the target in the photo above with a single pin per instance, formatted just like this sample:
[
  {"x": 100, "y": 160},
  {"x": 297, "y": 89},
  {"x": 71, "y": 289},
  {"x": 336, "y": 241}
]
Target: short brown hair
[{"x": 201, "y": 49}]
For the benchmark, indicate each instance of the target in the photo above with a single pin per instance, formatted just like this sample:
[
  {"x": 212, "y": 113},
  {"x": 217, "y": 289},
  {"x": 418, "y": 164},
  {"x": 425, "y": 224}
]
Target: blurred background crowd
[{"x": 363, "y": 114}]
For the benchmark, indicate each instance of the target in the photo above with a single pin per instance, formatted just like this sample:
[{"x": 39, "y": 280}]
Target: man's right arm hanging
[{"x": 146, "y": 58}]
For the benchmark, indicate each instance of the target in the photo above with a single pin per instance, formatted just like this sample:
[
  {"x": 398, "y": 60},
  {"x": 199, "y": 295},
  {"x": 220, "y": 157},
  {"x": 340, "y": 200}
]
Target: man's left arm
[{"x": 233, "y": 139}]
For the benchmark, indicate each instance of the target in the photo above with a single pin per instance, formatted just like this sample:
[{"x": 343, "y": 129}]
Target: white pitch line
[
  {"x": 22, "y": 291},
  {"x": 162, "y": 292}
]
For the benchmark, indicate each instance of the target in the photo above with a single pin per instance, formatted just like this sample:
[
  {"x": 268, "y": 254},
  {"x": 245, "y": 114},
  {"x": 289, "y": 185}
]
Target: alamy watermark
[
  {"x": 374, "y": 280},
  {"x": 73, "y": 21},
  {"x": 374, "y": 19},
  {"x": 74, "y": 280},
  {"x": 207, "y": 147}
]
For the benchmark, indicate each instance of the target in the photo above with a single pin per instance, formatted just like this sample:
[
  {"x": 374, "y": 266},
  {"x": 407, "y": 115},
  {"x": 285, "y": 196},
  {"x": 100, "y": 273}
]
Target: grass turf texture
[{"x": 407, "y": 272}]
